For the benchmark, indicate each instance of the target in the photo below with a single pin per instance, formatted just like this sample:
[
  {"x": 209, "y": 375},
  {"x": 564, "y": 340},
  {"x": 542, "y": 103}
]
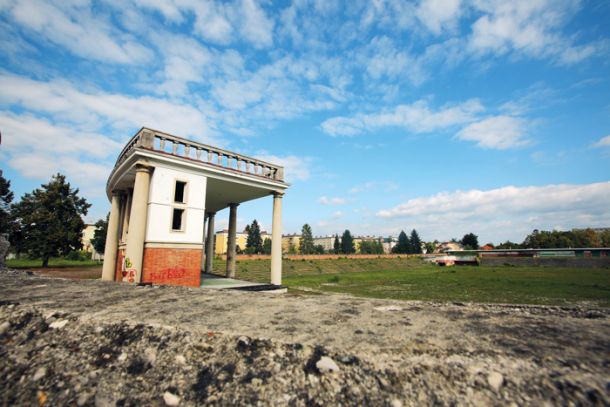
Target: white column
[
  {"x": 204, "y": 243},
  {"x": 231, "y": 252},
  {"x": 209, "y": 245},
  {"x": 112, "y": 239},
  {"x": 134, "y": 253},
  {"x": 276, "y": 240}
]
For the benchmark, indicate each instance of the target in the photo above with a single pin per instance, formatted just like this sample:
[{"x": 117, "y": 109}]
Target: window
[
  {"x": 177, "y": 219},
  {"x": 180, "y": 192}
]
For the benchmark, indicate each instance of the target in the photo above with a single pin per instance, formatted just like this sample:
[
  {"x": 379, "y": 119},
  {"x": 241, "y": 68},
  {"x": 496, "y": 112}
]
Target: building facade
[{"x": 165, "y": 193}]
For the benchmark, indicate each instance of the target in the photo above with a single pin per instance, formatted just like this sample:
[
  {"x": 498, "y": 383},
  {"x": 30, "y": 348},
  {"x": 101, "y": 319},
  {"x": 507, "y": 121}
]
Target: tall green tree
[
  {"x": 267, "y": 246},
  {"x": 415, "y": 242},
  {"x": 404, "y": 245},
  {"x": 50, "y": 219},
  {"x": 254, "y": 242},
  {"x": 99, "y": 235},
  {"x": 337, "y": 245},
  {"x": 307, "y": 245},
  {"x": 347, "y": 243},
  {"x": 470, "y": 241},
  {"x": 6, "y": 197}
]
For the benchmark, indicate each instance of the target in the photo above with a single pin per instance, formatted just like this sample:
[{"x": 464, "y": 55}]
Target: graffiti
[
  {"x": 169, "y": 273},
  {"x": 128, "y": 272}
]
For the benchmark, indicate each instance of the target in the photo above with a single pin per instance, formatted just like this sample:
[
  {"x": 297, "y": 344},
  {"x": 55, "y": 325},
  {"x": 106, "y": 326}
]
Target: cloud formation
[{"x": 507, "y": 212}]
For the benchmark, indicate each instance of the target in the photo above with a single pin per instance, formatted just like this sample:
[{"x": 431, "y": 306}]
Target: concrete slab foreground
[{"x": 219, "y": 283}]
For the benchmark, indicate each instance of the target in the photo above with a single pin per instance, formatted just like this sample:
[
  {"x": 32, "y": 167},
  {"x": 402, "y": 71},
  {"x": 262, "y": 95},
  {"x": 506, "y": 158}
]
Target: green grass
[
  {"x": 53, "y": 262},
  {"x": 415, "y": 280}
]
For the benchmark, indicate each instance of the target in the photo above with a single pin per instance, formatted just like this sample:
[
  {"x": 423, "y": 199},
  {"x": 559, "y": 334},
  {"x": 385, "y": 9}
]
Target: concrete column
[
  {"x": 209, "y": 244},
  {"x": 112, "y": 239},
  {"x": 134, "y": 253},
  {"x": 276, "y": 240},
  {"x": 126, "y": 214},
  {"x": 204, "y": 243},
  {"x": 231, "y": 252}
]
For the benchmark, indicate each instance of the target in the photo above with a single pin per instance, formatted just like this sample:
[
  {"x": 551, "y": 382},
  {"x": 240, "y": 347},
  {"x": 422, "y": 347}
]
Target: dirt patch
[{"x": 83, "y": 342}]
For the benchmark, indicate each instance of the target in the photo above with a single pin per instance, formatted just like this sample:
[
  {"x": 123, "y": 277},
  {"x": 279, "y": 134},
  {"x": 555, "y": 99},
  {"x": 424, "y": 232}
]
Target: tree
[
  {"x": 430, "y": 247},
  {"x": 267, "y": 246},
  {"x": 6, "y": 197},
  {"x": 347, "y": 243},
  {"x": 415, "y": 242},
  {"x": 307, "y": 245},
  {"x": 50, "y": 219},
  {"x": 508, "y": 245},
  {"x": 254, "y": 242},
  {"x": 470, "y": 241},
  {"x": 319, "y": 249},
  {"x": 403, "y": 246},
  {"x": 337, "y": 245},
  {"x": 99, "y": 236}
]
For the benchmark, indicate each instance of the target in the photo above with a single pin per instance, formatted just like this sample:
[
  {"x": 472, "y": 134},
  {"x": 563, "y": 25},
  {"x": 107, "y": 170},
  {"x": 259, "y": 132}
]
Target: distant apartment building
[
  {"x": 88, "y": 234},
  {"x": 222, "y": 240},
  {"x": 291, "y": 243},
  {"x": 449, "y": 247},
  {"x": 327, "y": 242}
]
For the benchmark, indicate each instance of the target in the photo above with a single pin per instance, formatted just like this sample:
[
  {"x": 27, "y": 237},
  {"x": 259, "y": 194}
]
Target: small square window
[
  {"x": 179, "y": 192},
  {"x": 177, "y": 219}
]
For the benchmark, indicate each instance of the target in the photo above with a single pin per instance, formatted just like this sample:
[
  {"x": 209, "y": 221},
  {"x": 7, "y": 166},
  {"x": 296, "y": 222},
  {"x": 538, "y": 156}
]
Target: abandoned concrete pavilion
[{"x": 165, "y": 192}]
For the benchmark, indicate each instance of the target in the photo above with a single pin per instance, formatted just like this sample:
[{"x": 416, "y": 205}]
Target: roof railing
[{"x": 190, "y": 150}]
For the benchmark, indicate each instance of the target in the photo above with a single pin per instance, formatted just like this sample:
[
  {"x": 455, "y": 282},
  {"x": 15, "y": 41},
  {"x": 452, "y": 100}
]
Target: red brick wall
[
  {"x": 170, "y": 266},
  {"x": 119, "y": 263}
]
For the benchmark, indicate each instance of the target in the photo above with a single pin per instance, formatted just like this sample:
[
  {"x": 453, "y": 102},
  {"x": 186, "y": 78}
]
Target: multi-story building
[
  {"x": 88, "y": 234},
  {"x": 221, "y": 241},
  {"x": 291, "y": 243},
  {"x": 327, "y": 242}
]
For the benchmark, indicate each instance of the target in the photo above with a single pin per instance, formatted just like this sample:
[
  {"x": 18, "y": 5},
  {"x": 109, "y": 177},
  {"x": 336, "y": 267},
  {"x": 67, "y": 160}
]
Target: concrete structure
[
  {"x": 221, "y": 240},
  {"x": 88, "y": 234},
  {"x": 291, "y": 244},
  {"x": 165, "y": 194}
]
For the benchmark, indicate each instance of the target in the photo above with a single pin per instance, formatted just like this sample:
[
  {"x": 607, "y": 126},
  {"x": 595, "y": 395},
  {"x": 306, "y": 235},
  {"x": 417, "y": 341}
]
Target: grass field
[
  {"x": 53, "y": 262},
  {"x": 415, "y": 280}
]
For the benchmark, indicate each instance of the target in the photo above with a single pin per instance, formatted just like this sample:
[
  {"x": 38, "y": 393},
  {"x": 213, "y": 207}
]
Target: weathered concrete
[{"x": 118, "y": 343}]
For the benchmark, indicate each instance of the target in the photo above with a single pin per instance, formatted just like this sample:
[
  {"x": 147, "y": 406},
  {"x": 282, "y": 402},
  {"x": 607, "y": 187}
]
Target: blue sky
[{"x": 448, "y": 116}]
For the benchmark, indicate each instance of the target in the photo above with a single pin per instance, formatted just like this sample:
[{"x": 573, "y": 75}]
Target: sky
[{"x": 444, "y": 116}]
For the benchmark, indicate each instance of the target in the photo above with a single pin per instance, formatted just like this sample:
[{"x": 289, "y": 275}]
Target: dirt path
[{"x": 406, "y": 352}]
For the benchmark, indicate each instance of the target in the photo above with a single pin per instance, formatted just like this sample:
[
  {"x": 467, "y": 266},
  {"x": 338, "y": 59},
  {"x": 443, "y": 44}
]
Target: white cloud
[
  {"x": 603, "y": 142},
  {"x": 385, "y": 186},
  {"x": 505, "y": 213},
  {"x": 437, "y": 15},
  {"x": 295, "y": 168},
  {"x": 75, "y": 27},
  {"x": 531, "y": 28},
  {"x": 417, "y": 117},
  {"x": 95, "y": 109},
  {"x": 38, "y": 149},
  {"x": 499, "y": 132},
  {"x": 256, "y": 27},
  {"x": 324, "y": 200}
]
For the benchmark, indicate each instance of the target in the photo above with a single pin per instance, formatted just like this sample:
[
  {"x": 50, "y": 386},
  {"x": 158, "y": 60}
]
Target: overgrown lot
[{"x": 412, "y": 279}]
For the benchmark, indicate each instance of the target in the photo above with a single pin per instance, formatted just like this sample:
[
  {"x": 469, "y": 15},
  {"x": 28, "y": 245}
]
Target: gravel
[{"x": 92, "y": 343}]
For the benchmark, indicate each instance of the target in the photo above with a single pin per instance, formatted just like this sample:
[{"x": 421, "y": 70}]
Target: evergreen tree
[
  {"x": 267, "y": 246},
  {"x": 415, "y": 242},
  {"x": 403, "y": 246},
  {"x": 319, "y": 249},
  {"x": 347, "y": 243},
  {"x": 470, "y": 241},
  {"x": 254, "y": 242},
  {"x": 50, "y": 220},
  {"x": 337, "y": 245},
  {"x": 99, "y": 236},
  {"x": 307, "y": 245},
  {"x": 6, "y": 197}
]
